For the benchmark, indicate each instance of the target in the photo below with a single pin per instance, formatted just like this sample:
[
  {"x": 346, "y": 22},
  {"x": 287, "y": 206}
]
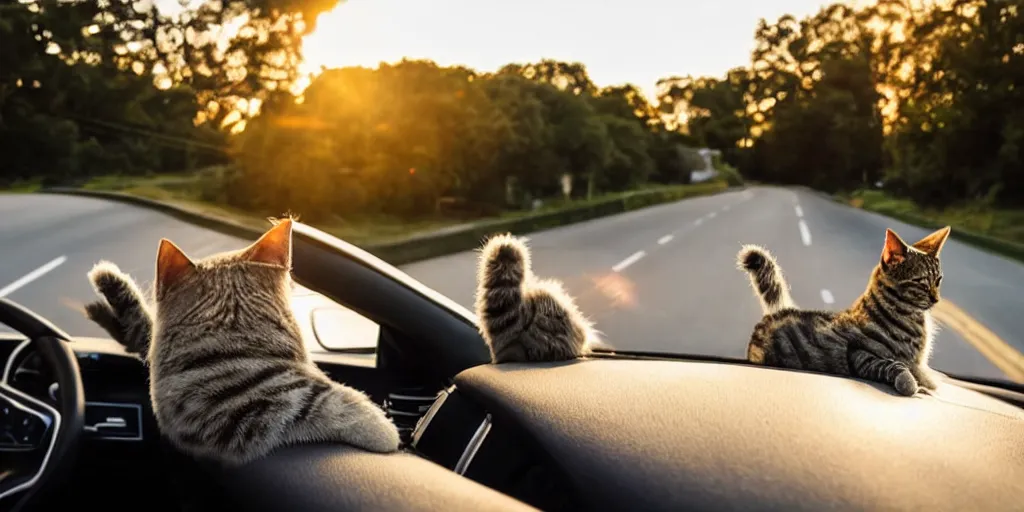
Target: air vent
[{"x": 405, "y": 406}]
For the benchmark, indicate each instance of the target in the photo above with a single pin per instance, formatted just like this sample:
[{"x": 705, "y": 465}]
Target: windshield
[{"x": 635, "y": 147}]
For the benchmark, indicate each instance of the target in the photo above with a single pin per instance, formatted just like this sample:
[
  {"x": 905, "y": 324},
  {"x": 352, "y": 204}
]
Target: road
[{"x": 658, "y": 279}]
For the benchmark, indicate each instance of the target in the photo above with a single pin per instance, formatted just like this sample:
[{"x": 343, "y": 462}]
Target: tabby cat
[
  {"x": 523, "y": 318},
  {"x": 885, "y": 336},
  {"x": 230, "y": 378}
]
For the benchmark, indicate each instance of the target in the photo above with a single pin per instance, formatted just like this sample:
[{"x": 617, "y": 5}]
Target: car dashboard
[
  {"x": 684, "y": 435},
  {"x": 613, "y": 434},
  {"x": 603, "y": 433}
]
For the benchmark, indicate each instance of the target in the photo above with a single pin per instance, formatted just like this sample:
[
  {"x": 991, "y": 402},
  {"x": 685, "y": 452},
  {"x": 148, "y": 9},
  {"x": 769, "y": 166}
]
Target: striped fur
[
  {"x": 230, "y": 378},
  {"x": 524, "y": 318},
  {"x": 122, "y": 309},
  {"x": 885, "y": 336},
  {"x": 766, "y": 278}
]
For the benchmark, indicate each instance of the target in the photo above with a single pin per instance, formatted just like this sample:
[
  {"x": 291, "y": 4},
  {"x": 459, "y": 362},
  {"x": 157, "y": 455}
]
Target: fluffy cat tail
[
  {"x": 523, "y": 318},
  {"x": 766, "y": 277},
  {"x": 122, "y": 310},
  {"x": 504, "y": 267}
]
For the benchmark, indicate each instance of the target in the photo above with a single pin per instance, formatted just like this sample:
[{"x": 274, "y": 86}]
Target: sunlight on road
[{"x": 618, "y": 289}]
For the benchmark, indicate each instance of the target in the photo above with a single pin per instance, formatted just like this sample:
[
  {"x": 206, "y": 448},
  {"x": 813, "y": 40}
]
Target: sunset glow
[{"x": 668, "y": 37}]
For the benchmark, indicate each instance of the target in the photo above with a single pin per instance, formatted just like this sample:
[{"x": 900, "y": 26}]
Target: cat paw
[
  {"x": 926, "y": 378},
  {"x": 379, "y": 437},
  {"x": 103, "y": 272},
  {"x": 905, "y": 383},
  {"x": 369, "y": 429}
]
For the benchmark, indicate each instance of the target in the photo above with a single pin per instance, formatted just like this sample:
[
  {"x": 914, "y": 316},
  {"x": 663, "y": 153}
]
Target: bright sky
[{"x": 638, "y": 41}]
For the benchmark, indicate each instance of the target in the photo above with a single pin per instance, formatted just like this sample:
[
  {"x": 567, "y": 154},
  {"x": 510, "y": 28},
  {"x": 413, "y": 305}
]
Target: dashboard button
[{"x": 113, "y": 421}]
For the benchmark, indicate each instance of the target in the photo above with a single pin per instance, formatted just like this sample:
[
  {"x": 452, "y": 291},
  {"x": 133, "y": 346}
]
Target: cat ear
[
  {"x": 932, "y": 244},
  {"x": 895, "y": 249},
  {"x": 274, "y": 247},
  {"x": 171, "y": 266}
]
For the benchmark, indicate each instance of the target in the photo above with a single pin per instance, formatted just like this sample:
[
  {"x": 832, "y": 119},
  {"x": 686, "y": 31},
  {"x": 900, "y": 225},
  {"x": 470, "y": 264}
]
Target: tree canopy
[{"x": 924, "y": 98}]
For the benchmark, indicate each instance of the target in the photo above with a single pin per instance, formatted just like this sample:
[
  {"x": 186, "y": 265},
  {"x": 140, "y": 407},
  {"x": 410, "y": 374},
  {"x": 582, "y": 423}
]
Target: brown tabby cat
[
  {"x": 523, "y": 318},
  {"x": 886, "y": 336},
  {"x": 230, "y": 378}
]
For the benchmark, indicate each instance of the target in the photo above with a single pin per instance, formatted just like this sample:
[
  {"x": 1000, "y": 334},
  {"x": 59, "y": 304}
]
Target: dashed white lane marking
[
  {"x": 635, "y": 257},
  {"x": 827, "y": 297},
  {"x": 32, "y": 276},
  {"x": 698, "y": 222},
  {"x": 665, "y": 239},
  {"x": 805, "y": 234},
  {"x": 726, "y": 208},
  {"x": 711, "y": 215},
  {"x": 799, "y": 211}
]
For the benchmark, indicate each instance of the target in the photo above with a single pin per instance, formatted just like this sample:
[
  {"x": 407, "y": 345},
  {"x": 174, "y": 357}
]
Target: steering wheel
[{"x": 38, "y": 434}]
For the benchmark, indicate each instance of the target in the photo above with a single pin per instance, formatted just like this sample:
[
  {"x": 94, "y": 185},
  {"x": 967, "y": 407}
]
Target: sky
[{"x": 638, "y": 41}]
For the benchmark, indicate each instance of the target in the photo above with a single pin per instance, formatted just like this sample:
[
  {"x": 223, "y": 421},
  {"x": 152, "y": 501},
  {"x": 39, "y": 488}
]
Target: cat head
[
  {"x": 257, "y": 269},
  {"x": 914, "y": 270}
]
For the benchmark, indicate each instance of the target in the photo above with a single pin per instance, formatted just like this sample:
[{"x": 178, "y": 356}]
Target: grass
[
  {"x": 185, "y": 191},
  {"x": 997, "y": 229},
  {"x": 23, "y": 187},
  {"x": 181, "y": 190},
  {"x": 173, "y": 189}
]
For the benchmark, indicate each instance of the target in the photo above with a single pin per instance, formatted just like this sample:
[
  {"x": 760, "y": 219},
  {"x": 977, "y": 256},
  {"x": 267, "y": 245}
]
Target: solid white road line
[
  {"x": 665, "y": 239},
  {"x": 635, "y": 257},
  {"x": 32, "y": 276},
  {"x": 805, "y": 234},
  {"x": 799, "y": 211},
  {"x": 827, "y": 297}
]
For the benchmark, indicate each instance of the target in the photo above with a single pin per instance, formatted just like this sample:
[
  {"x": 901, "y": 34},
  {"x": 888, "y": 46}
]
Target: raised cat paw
[
  {"x": 122, "y": 308},
  {"x": 905, "y": 383}
]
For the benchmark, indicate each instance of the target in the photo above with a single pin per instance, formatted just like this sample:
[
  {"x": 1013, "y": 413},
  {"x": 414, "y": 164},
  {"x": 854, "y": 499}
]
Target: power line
[{"x": 170, "y": 140}]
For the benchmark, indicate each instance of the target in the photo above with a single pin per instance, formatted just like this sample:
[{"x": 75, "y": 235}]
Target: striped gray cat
[
  {"x": 885, "y": 336},
  {"x": 523, "y": 318},
  {"x": 230, "y": 378}
]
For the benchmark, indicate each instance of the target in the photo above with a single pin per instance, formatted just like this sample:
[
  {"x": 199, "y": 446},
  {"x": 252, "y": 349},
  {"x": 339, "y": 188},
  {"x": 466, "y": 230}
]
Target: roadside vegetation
[
  {"x": 186, "y": 191},
  {"x": 909, "y": 108},
  {"x": 979, "y": 222},
  {"x": 920, "y": 97},
  {"x": 112, "y": 96}
]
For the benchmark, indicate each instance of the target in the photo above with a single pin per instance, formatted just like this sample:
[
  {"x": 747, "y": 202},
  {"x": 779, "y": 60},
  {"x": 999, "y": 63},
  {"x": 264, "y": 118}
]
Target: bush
[{"x": 729, "y": 173}]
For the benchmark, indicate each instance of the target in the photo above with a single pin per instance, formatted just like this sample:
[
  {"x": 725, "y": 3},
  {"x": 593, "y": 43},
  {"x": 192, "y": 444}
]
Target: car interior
[{"x": 614, "y": 431}]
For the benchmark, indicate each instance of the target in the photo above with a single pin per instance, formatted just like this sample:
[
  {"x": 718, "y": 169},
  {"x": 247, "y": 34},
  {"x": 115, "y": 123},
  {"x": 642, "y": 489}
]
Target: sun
[{"x": 353, "y": 33}]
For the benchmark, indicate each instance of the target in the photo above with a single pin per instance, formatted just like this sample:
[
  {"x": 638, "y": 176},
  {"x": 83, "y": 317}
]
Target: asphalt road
[{"x": 658, "y": 279}]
